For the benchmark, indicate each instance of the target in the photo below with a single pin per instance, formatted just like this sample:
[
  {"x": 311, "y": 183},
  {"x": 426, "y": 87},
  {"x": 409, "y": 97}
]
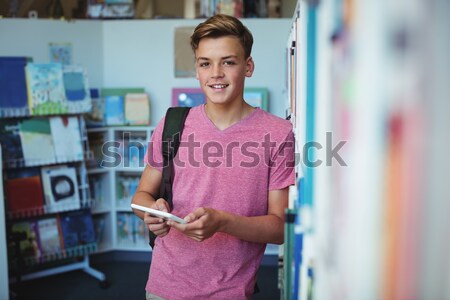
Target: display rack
[{"x": 26, "y": 268}]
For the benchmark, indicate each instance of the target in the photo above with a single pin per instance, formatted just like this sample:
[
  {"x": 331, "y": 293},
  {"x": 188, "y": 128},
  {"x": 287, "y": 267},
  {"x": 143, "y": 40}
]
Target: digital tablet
[{"x": 158, "y": 213}]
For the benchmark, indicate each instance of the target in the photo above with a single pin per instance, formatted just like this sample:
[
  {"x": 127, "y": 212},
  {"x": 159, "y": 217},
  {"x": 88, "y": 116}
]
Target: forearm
[
  {"x": 142, "y": 198},
  {"x": 260, "y": 229}
]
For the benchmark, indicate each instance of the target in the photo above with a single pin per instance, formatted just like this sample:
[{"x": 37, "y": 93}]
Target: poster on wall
[{"x": 184, "y": 56}]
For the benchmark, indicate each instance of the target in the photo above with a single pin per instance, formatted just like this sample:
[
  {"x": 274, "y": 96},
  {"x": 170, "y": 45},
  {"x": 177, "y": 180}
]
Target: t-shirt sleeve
[
  {"x": 153, "y": 157},
  {"x": 282, "y": 168}
]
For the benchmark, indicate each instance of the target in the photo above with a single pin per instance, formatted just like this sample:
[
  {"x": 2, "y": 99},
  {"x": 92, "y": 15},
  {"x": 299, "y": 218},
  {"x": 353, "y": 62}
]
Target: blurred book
[
  {"x": 114, "y": 110},
  {"x": 24, "y": 193},
  {"x": 77, "y": 228},
  {"x": 67, "y": 138},
  {"x": 10, "y": 141},
  {"x": 95, "y": 117},
  {"x": 60, "y": 188},
  {"x": 76, "y": 86},
  {"x": 27, "y": 234},
  {"x": 49, "y": 236},
  {"x": 13, "y": 86},
  {"x": 46, "y": 94},
  {"x": 137, "y": 109},
  {"x": 37, "y": 142}
]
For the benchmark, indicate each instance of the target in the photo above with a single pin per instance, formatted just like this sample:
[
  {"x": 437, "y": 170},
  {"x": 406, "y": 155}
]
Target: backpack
[{"x": 171, "y": 136}]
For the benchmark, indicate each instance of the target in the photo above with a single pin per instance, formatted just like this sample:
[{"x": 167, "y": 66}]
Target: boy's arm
[
  {"x": 145, "y": 191},
  {"x": 204, "y": 222}
]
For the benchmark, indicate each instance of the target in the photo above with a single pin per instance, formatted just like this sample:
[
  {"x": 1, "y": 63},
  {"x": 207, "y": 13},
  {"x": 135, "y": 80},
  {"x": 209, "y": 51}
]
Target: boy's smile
[{"x": 221, "y": 69}]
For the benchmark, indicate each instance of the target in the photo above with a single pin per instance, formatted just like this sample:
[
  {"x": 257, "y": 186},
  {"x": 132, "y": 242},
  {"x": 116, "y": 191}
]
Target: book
[
  {"x": 67, "y": 138},
  {"x": 77, "y": 90},
  {"x": 27, "y": 234},
  {"x": 137, "y": 109},
  {"x": 77, "y": 228},
  {"x": 36, "y": 134},
  {"x": 60, "y": 188},
  {"x": 114, "y": 106},
  {"x": 12, "y": 154},
  {"x": 114, "y": 110},
  {"x": 46, "y": 94},
  {"x": 49, "y": 236},
  {"x": 99, "y": 226},
  {"x": 13, "y": 86},
  {"x": 95, "y": 117},
  {"x": 24, "y": 193}
]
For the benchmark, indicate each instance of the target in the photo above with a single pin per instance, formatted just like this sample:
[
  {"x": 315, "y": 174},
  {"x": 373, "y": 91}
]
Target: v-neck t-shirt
[{"x": 231, "y": 170}]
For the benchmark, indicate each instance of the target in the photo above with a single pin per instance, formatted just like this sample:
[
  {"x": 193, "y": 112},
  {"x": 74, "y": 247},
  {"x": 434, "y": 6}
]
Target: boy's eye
[
  {"x": 204, "y": 64},
  {"x": 228, "y": 63}
]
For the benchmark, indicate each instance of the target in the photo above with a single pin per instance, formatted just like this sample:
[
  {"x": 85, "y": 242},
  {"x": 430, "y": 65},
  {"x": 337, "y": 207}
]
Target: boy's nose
[{"x": 216, "y": 71}]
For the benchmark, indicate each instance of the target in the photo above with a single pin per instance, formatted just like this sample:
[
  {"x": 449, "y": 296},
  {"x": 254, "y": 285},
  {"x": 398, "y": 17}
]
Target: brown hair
[{"x": 223, "y": 25}]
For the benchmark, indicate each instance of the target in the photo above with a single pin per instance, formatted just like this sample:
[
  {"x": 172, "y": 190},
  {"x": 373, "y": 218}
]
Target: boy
[{"x": 232, "y": 173}]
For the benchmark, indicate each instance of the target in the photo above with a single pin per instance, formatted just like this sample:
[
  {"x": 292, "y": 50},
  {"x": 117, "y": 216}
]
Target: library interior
[{"x": 362, "y": 85}]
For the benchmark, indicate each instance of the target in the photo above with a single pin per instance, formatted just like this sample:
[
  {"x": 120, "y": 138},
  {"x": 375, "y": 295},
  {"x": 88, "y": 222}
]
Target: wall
[
  {"x": 27, "y": 37},
  {"x": 125, "y": 53}
]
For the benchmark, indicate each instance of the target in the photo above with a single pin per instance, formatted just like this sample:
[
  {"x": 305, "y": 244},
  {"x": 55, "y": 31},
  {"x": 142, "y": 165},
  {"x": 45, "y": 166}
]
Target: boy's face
[{"x": 221, "y": 69}]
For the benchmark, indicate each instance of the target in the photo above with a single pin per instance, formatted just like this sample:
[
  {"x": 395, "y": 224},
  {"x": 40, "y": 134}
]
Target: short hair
[{"x": 223, "y": 25}]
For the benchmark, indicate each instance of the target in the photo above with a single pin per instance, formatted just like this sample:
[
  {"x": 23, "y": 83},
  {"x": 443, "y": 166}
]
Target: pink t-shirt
[{"x": 230, "y": 170}]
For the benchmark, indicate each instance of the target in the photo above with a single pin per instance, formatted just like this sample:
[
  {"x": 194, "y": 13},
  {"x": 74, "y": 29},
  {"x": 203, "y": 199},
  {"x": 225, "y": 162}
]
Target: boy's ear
[{"x": 250, "y": 67}]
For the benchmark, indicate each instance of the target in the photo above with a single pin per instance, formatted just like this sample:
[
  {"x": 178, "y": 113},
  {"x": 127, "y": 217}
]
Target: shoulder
[{"x": 272, "y": 124}]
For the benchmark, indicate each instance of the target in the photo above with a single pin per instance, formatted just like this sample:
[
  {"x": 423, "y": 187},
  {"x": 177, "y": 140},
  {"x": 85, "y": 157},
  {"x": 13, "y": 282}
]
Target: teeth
[{"x": 219, "y": 86}]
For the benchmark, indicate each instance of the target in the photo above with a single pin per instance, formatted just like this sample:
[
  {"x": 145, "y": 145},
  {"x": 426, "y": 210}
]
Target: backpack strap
[{"x": 171, "y": 137}]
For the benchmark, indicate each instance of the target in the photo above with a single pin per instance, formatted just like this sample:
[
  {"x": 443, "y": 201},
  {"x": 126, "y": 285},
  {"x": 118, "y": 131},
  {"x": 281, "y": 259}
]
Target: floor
[{"x": 126, "y": 279}]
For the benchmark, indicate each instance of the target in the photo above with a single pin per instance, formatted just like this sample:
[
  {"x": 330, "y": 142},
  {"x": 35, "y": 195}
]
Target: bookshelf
[
  {"x": 114, "y": 174},
  {"x": 369, "y": 227}
]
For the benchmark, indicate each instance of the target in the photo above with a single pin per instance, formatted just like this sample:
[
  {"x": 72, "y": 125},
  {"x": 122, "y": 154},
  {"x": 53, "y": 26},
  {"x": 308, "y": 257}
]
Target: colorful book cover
[
  {"x": 137, "y": 109},
  {"x": 10, "y": 140},
  {"x": 67, "y": 138},
  {"x": 46, "y": 94},
  {"x": 77, "y": 90},
  {"x": 36, "y": 134},
  {"x": 13, "y": 91},
  {"x": 95, "y": 117},
  {"x": 24, "y": 194},
  {"x": 77, "y": 228},
  {"x": 28, "y": 234},
  {"x": 114, "y": 110},
  {"x": 49, "y": 236},
  {"x": 60, "y": 188}
]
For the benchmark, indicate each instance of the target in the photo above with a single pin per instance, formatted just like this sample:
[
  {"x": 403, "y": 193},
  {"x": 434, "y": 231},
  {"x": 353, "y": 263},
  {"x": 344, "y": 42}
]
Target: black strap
[{"x": 171, "y": 137}]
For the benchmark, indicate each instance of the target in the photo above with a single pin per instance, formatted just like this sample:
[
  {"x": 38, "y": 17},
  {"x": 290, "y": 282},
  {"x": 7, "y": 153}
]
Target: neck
[{"x": 224, "y": 116}]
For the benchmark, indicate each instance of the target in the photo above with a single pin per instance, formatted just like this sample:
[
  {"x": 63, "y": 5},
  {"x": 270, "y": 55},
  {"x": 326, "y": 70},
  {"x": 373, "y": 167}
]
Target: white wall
[
  {"x": 139, "y": 53},
  {"x": 22, "y": 37}
]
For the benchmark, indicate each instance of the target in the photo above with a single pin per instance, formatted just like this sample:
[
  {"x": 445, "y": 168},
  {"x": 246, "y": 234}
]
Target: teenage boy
[{"x": 232, "y": 173}]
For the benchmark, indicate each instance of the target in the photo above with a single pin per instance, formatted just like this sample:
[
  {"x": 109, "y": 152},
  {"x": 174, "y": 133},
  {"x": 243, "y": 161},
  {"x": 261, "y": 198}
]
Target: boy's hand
[
  {"x": 202, "y": 224},
  {"x": 155, "y": 224}
]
